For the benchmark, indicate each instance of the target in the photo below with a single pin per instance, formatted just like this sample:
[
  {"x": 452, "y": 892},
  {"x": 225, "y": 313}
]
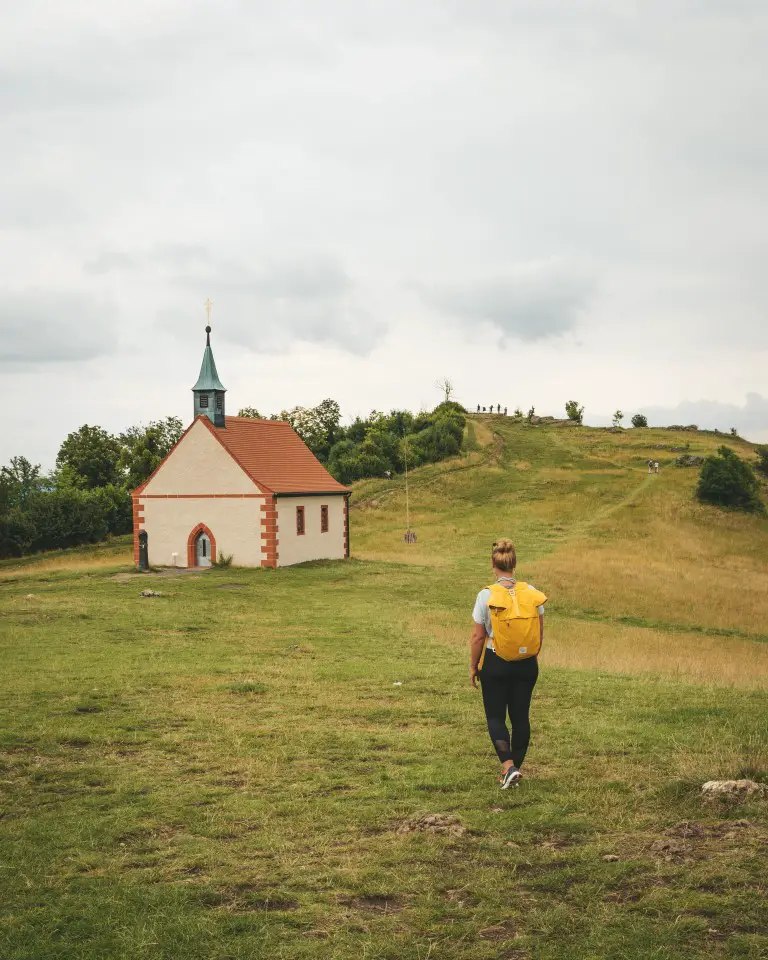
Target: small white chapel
[{"x": 240, "y": 487}]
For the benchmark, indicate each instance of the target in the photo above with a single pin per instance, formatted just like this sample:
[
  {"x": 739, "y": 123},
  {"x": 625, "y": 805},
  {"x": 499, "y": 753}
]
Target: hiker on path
[
  {"x": 503, "y": 648},
  {"x": 655, "y": 466},
  {"x": 650, "y": 466}
]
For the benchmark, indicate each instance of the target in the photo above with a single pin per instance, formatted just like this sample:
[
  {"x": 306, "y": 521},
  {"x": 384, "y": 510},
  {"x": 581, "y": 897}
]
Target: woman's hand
[{"x": 476, "y": 644}]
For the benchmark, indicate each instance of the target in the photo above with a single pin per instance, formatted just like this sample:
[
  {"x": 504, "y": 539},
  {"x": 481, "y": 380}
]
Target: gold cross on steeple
[{"x": 208, "y": 305}]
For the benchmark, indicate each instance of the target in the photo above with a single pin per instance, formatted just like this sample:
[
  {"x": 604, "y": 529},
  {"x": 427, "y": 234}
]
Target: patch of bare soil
[
  {"x": 167, "y": 572},
  {"x": 691, "y": 839},
  {"x": 245, "y": 898},
  {"x": 373, "y": 903},
  {"x": 434, "y": 823}
]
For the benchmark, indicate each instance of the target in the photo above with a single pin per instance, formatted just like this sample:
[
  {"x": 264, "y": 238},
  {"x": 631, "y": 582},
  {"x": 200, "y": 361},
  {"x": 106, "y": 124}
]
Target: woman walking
[{"x": 503, "y": 655}]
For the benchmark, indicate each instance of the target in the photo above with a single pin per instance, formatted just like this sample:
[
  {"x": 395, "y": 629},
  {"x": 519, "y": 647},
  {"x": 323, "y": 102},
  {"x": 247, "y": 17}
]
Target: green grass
[{"x": 225, "y": 771}]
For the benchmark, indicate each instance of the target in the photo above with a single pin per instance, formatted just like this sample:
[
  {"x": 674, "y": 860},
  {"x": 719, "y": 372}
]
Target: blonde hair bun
[{"x": 503, "y": 555}]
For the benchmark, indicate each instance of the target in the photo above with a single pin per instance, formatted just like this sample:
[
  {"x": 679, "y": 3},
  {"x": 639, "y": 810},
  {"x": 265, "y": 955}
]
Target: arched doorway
[
  {"x": 202, "y": 550},
  {"x": 201, "y": 547}
]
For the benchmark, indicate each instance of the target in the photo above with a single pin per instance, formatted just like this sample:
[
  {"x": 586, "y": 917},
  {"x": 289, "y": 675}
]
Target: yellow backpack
[{"x": 515, "y": 620}]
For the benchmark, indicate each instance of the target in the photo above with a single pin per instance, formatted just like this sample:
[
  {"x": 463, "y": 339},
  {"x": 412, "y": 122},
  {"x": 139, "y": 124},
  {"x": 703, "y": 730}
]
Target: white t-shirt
[{"x": 482, "y": 614}]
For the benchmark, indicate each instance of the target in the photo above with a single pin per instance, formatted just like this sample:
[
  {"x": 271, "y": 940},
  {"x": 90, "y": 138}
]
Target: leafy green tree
[
  {"x": 143, "y": 448},
  {"x": 250, "y": 412},
  {"x": 115, "y": 503},
  {"x": 531, "y": 413},
  {"x": 574, "y": 411},
  {"x": 728, "y": 481},
  {"x": 92, "y": 453},
  {"x": 762, "y": 461},
  {"x": 639, "y": 420},
  {"x": 617, "y": 418},
  {"x": 19, "y": 481}
]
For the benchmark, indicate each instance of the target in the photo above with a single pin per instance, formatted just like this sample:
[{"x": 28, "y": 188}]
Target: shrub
[
  {"x": 728, "y": 481},
  {"x": 17, "y": 533},
  {"x": 67, "y": 518},
  {"x": 762, "y": 461},
  {"x": 574, "y": 411},
  {"x": 639, "y": 420}
]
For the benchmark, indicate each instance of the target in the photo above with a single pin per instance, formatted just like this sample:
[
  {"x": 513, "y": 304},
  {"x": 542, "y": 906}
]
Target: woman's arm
[
  {"x": 476, "y": 644},
  {"x": 541, "y": 631}
]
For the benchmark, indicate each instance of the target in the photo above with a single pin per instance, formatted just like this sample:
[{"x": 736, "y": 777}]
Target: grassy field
[{"x": 242, "y": 767}]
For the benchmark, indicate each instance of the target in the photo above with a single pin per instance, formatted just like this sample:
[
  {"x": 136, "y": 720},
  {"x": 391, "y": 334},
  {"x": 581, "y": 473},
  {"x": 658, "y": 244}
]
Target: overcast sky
[{"x": 542, "y": 200}]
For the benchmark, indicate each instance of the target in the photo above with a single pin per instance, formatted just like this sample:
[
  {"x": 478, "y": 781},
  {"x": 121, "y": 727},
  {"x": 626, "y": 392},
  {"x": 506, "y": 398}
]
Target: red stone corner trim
[
  {"x": 269, "y": 532},
  {"x": 138, "y": 524},
  {"x": 200, "y": 528}
]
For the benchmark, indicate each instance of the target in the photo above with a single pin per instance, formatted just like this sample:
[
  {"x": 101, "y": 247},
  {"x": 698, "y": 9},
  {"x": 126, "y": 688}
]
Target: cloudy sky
[{"x": 539, "y": 199}]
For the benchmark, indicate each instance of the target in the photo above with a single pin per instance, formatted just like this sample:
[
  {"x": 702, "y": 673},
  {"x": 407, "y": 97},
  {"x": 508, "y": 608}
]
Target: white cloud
[{"x": 384, "y": 187}]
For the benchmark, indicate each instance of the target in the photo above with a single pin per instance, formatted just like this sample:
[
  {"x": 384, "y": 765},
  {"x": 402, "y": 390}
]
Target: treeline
[
  {"x": 378, "y": 444},
  {"x": 87, "y": 496}
]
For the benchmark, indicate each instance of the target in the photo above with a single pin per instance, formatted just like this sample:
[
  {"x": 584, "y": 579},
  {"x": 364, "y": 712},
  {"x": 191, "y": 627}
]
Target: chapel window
[
  {"x": 203, "y": 400},
  {"x": 299, "y": 521},
  {"x": 323, "y": 519},
  {"x": 219, "y": 401}
]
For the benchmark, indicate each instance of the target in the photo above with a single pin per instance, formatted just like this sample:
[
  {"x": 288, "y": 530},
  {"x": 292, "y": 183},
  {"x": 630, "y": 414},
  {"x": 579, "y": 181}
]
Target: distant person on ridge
[{"x": 503, "y": 655}]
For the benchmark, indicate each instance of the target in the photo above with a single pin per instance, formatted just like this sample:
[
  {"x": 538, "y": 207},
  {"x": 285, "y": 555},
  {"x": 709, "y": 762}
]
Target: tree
[
  {"x": 92, "y": 453},
  {"x": 446, "y": 387},
  {"x": 144, "y": 448},
  {"x": 518, "y": 414},
  {"x": 251, "y": 413},
  {"x": 574, "y": 411},
  {"x": 617, "y": 418},
  {"x": 728, "y": 481},
  {"x": 639, "y": 420},
  {"x": 18, "y": 482},
  {"x": 762, "y": 461},
  {"x": 531, "y": 413}
]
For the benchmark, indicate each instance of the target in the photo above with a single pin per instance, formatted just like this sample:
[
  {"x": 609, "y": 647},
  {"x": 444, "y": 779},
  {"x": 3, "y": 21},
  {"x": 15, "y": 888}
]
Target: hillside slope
[{"x": 627, "y": 558}]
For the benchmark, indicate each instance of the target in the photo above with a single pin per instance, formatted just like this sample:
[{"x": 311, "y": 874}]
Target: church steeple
[{"x": 209, "y": 390}]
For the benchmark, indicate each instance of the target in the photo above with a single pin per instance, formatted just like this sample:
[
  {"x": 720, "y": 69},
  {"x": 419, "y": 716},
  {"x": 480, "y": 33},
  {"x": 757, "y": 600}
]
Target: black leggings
[{"x": 507, "y": 688}]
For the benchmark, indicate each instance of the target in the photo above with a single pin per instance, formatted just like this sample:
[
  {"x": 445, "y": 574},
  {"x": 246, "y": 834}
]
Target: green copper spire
[{"x": 209, "y": 390}]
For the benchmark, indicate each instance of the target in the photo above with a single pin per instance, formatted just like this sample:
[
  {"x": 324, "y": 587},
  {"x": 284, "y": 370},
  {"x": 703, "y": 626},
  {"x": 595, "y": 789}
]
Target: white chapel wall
[
  {"x": 234, "y": 522},
  {"x": 200, "y": 464},
  {"x": 313, "y": 545}
]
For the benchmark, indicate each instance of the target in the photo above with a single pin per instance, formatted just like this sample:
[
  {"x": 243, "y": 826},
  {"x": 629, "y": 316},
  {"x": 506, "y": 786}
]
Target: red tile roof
[{"x": 274, "y": 456}]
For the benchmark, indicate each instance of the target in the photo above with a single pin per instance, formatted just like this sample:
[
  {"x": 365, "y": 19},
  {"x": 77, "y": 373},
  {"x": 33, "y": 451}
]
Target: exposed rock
[
  {"x": 734, "y": 790},
  {"x": 689, "y": 460},
  {"x": 29, "y": 596},
  {"x": 610, "y": 858},
  {"x": 434, "y": 823},
  {"x": 150, "y": 593}
]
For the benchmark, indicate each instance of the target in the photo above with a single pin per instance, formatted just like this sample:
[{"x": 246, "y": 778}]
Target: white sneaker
[{"x": 510, "y": 779}]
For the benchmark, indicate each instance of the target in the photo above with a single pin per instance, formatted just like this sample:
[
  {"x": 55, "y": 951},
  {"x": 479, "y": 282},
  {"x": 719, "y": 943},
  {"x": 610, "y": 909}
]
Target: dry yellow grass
[
  {"x": 100, "y": 558},
  {"x": 669, "y": 561},
  {"x": 615, "y": 648}
]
